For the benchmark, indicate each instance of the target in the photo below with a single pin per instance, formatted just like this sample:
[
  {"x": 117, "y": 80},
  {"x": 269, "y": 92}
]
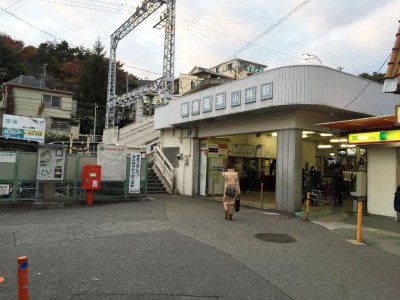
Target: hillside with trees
[{"x": 76, "y": 69}]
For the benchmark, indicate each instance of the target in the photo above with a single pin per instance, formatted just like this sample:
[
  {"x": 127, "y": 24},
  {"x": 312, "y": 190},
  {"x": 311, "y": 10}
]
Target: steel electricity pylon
[{"x": 164, "y": 86}]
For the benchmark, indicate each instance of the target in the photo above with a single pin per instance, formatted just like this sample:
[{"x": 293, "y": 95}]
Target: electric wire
[
  {"x": 362, "y": 91},
  {"x": 217, "y": 35},
  {"x": 271, "y": 28}
]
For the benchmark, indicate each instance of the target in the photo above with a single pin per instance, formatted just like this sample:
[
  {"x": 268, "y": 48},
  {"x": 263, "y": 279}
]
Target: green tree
[
  {"x": 11, "y": 63},
  {"x": 378, "y": 77},
  {"x": 93, "y": 86}
]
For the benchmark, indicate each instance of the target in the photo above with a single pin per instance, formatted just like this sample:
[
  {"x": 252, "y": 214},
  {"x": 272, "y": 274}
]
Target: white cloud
[{"x": 357, "y": 34}]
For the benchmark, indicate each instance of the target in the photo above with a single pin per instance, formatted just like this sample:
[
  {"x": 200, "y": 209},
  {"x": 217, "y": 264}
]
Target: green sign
[{"x": 254, "y": 69}]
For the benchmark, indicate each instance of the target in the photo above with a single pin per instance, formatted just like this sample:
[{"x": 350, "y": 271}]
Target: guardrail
[{"x": 165, "y": 168}]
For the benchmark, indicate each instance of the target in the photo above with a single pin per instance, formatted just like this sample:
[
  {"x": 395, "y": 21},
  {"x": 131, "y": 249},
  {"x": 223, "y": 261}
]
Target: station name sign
[
  {"x": 374, "y": 137},
  {"x": 221, "y": 100}
]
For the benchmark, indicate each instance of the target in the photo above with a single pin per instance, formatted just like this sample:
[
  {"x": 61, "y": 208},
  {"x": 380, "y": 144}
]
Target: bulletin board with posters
[
  {"x": 51, "y": 162},
  {"x": 112, "y": 159}
]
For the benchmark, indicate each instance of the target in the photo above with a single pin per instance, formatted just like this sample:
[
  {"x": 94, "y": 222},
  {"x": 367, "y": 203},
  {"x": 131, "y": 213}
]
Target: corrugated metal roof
[
  {"x": 392, "y": 75},
  {"x": 26, "y": 81},
  {"x": 363, "y": 123}
]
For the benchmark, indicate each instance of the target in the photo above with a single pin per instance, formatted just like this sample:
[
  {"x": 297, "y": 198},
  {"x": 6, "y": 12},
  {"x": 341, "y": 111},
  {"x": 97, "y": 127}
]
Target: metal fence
[{"x": 19, "y": 180}]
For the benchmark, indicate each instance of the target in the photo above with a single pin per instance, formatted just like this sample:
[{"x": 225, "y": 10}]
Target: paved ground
[{"x": 177, "y": 247}]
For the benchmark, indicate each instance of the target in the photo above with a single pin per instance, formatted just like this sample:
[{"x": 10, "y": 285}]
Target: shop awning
[{"x": 362, "y": 124}]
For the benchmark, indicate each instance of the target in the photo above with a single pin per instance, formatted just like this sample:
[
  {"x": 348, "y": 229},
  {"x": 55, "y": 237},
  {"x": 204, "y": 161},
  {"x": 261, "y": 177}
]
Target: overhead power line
[
  {"x": 11, "y": 14},
  {"x": 270, "y": 28},
  {"x": 359, "y": 94}
]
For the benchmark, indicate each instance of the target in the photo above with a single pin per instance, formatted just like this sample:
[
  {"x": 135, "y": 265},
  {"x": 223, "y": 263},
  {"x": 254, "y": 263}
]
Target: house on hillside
[
  {"x": 27, "y": 96},
  {"x": 239, "y": 68}
]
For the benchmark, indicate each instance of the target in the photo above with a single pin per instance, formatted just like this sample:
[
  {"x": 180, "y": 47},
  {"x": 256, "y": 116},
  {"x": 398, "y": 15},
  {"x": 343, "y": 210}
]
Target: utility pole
[
  {"x": 127, "y": 83},
  {"x": 94, "y": 125},
  {"x": 43, "y": 76}
]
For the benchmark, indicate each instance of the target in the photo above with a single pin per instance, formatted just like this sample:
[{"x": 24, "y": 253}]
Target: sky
[{"x": 356, "y": 36}]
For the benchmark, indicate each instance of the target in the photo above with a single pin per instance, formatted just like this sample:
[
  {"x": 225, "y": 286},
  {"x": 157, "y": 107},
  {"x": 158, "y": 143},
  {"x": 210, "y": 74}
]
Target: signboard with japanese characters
[
  {"x": 220, "y": 101},
  {"x": 216, "y": 149},
  {"x": 4, "y": 189},
  {"x": 207, "y": 103},
  {"x": 8, "y": 157},
  {"x": 196, "y": 107},
  {"x": 51, "y": 162},
  {"x": 185, "y": 109},
  {"x": 250, "y": 95},
  {"x": 266, "y": 91},
  {"x": 24, "y": 128},
  {"x": 235, "y": 98},
  {"x": 134, "y": 172},
  {"x": 112, "y": 159},
  {"x": 255, "y": 70}
]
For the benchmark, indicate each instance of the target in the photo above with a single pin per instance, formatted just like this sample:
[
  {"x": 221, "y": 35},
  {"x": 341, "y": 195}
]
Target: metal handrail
[{"x": 165, "y": 168}]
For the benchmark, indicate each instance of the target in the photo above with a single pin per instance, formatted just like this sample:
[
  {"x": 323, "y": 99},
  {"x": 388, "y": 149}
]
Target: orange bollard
[
  {"x": 89, "y": 197},
  {"x": 23, "y": 291},
  {"x": 307, "y": 205},
  {"x": 359, "y": 220}
]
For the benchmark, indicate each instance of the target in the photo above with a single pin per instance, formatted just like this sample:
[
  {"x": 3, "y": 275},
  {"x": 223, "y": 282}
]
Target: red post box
[{"x": 91, "y": 175}]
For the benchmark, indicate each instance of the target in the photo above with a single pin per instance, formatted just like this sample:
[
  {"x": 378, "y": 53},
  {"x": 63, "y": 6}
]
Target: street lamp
[{"x": 307, "y": 56}]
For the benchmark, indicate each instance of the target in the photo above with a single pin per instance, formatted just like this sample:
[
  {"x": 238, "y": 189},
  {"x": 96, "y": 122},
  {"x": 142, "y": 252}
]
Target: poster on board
[
  {"x": 24, "y": 128},
  {"x": 51, "y": 162},
  {"x": 134, "y": 172},
  {"x": 112, "y": 160}
]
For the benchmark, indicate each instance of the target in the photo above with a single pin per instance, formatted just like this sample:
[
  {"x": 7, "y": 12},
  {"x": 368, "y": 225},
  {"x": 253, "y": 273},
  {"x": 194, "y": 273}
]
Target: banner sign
[
  {"x": 24, "y": 128},
  {"x": 51, "y": 162},
  {"x": 134, "y": 174},
  {"x": 113, "y": 162},
  {"x": 374, "y": 137},
  {"x": 216, "y": 149}
]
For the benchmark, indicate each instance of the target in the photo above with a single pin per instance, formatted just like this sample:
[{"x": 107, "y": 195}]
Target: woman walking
[{"x": 231, "y": 191}]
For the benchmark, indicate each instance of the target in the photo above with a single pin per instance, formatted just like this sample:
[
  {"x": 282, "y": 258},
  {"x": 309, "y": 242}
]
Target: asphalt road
[{"x": 178, "y": 247}]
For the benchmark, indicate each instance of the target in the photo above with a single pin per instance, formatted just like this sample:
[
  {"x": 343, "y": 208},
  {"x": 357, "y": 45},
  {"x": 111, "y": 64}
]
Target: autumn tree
[{"x": 11, "y": 62}]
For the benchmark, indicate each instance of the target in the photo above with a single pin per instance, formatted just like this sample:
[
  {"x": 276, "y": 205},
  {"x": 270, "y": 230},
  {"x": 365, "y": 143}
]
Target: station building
[{"x": 269, "y": 121}]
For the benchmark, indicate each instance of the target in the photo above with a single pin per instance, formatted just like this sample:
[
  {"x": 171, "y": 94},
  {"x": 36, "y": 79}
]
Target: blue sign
[
  {"x": 196, "y": 107},
  {"x": 207, "y": 103},
  {"x": 185, "y": 109},
  {"x": 266, "y": 91},
  {"x": 220, "y": 101},
  {"x": 250, "y": 95},
  {"x": 235, "y": 98}
]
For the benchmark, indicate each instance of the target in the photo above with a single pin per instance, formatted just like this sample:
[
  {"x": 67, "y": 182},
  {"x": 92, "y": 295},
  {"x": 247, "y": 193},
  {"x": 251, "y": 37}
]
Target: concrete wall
[
  {"x": 184, "y": 183},
  {"x": 382, "y": 165}
]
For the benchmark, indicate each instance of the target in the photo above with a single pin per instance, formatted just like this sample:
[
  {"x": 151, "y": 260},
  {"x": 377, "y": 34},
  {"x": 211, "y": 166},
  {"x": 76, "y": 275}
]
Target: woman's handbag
[
  {"x": 237, "y": 204},
  {"x": 230, "y": 191}
]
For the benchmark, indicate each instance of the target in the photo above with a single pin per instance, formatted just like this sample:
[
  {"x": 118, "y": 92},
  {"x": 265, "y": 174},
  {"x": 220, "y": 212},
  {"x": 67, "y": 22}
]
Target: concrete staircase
[{"x": 154, "y": 184}]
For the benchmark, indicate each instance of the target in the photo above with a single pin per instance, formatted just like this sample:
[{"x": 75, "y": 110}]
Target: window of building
[
  {"x": 51, "y": 101},
  {"x": 217, "y": 69},
  {"x": 229, "y": 66}
]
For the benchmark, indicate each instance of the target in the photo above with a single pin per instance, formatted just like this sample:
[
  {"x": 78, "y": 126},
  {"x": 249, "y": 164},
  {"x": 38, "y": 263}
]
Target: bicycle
[{"x": 317, "y": 197}]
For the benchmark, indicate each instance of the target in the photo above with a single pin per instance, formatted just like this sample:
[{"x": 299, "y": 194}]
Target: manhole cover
[{"x": 275, "y": 238}]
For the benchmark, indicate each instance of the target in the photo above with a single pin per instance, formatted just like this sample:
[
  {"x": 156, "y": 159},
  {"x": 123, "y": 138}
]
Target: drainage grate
[{"x": 275, "y": 237}]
